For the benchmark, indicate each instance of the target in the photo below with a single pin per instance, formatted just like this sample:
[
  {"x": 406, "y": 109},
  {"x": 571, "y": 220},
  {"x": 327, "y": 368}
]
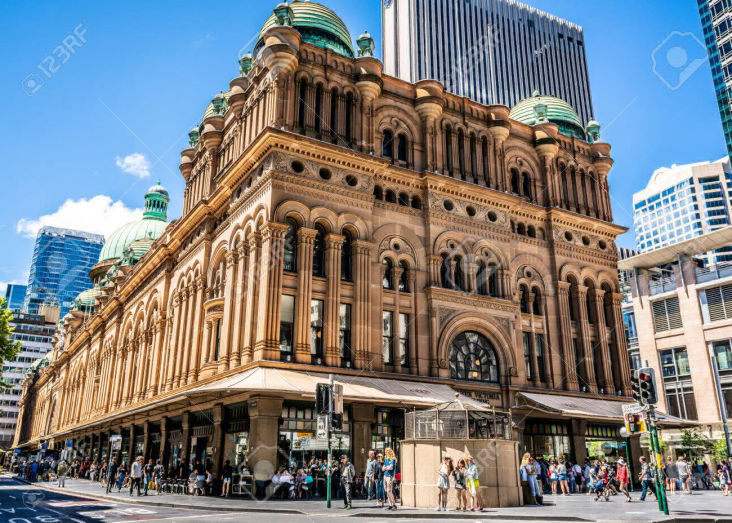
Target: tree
[
  {"x": 719, "y": 450},
  {"x": 9, "y": 348},
  {"x": 693, "y": 441}
]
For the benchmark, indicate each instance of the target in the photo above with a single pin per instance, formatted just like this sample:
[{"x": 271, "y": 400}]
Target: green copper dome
[
  {"x": 539, "y": 107},
  {"x": 317, "y": 25},
  {"x": 151, "y": 226},
  {"x": 85, "y": 301}
]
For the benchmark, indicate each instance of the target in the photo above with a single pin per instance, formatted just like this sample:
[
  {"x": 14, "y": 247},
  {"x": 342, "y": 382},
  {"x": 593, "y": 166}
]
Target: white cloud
[
  {"x": 135, "y": 164},
  {"x": 98, "y": 214}
]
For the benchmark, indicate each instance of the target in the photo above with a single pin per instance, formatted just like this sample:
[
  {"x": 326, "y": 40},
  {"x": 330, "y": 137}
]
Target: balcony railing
[
  {"x": 713, "y": 272},
  {"x": 666, "y": 284}
]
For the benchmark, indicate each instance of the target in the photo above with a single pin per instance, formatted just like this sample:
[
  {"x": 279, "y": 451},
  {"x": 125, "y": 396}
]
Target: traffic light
[
  {"x": 323, "y": 398},
  {"x": 635, "y": 386},
  {"x": 337, "y": 421},
  {"x": 635, "y": 423},
  {"x": 647, "y": 381}
]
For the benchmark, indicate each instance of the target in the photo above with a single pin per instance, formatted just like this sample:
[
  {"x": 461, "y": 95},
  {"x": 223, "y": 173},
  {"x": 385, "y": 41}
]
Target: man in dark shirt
[
  {"x": 148, "y": 471},
  {"x": 111, "y": 474}
]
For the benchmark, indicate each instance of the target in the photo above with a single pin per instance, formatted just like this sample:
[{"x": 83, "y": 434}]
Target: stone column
[
  {"x": 363, "y": 418},
  {"x": 361, "y": 328},
  {"x": 584, "y": 329},
  {"x": 334, "y": 244},
  {"x": 239, "y": 293},
  {"x": 163, "y": 441},
  {"x": 606, "y": 380},
  {"x": 186, "y": 434},
  {"x": 196, "y": 347},
  {"x": 206, "y": 349},
  {"x": 146, "y": 440},
  {"x": 131, "y": 449},
  {"x": 264, "y": 417},
  {"x": 250, "y": 317},
  {"x": 218, "y": 438},
  {"x": 305, "y": 242},
  {"x": 172, "y": 344},
  {"x": 229, "y": 299},
  {"x": 621, "y": 348},
  {"x": 570, "y": 365},
  {"x": 179, "y": 351},
  {"x": 273, "y": 240}
]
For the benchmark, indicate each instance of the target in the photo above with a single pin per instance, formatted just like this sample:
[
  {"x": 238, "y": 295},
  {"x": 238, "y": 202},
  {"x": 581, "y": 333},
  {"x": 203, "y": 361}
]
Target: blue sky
[{"x": 88, "y": 126}]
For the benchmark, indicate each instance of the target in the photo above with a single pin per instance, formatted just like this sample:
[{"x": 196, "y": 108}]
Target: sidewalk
[{"x": 707, "y": 506}]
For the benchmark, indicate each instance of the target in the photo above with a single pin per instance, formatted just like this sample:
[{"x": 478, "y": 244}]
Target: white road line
[{"x": 194, "y": 516}]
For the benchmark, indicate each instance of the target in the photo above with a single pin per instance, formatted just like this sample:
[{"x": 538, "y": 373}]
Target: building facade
[
  {"x": 35, "y": 333},
  {"x": 683, "y": 322},
  {"x": 683, "y": 202},
  {"x": 491, "y": 51},
  {"x": 60, "y": 267},
  {"x": 15, "y": 296},
  {"x": 716, "y": 20},
  {"x": 340, "y": 220}
]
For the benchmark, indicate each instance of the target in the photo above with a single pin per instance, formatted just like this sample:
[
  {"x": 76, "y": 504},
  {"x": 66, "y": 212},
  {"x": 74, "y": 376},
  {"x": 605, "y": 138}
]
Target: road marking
[{"x": 194, "y": 516}]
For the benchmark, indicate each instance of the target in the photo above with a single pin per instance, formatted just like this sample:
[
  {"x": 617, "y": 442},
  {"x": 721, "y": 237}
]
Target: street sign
[
  {"x": 322, "y": 432},
  {"x": 633, "y": 408},
  {"x": 116, "y": 441}
]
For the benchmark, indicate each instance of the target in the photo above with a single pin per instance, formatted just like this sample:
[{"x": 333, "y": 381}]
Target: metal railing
[
  {"x": 662, "y": 285},
  {"x": 457, "y": 424},
  {"x": 714, "y": 272}
]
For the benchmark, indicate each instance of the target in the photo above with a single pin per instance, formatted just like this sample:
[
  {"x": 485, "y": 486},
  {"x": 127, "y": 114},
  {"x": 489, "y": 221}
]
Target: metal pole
[
  {"x": 660, "y": 490},
  {"x": 330, "y": 424},
  {"x": 720, "y": 399}
]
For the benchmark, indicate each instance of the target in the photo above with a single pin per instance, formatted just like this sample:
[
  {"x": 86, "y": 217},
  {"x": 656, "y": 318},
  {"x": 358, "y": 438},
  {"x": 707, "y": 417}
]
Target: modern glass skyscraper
[
  {"x": 15, "y": 296},
  {"x": 491, "y": 51},
  {"x": 60, "y": 267},
  {"x": 683, "y": 202},
  {"x": 716, "y": 19}
]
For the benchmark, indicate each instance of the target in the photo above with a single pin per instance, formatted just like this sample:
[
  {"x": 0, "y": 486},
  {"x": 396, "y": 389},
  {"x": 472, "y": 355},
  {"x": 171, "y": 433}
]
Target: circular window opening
[
  {"x": 298, "y": 167},
  {"x": 585, "y": 240},
  {"x": 470, "y": 210},
  {"x": 351, "y": 180},
  {"x": 397, "y": 246},
  {"x": 324, "y": 173},
  {"x": 602, "y": 244},
  {"x": 492, "y": 216},
  {"x": 568, "y": 236},
  {"x": 448, "y": 205}
]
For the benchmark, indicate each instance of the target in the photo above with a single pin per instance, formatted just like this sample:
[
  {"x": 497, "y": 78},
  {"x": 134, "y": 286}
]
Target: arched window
[
  {"x": 416, "y": 202},
  {"x": 302, "y": 95},
  {"x": 402, "y": 145},
  {"x": 319, "y": 109},
  {"x": 404, "y": 277},
  {"x": 593, "y": 189},
  {"x": 378, "y": 192},
  {"x": 290, "y": 254},
  {"x": 514, "y": 181},
  {"x": 573, "y": 296},
  {"x": 387, "y": 144},
  {"x": 524, "y": 291},
  {"x": 531, "y": 231},
  {"x": 591, "y": 316},
  {"x": 607, "y": 300},
  {"x": 575, "y": 195},
  {"x": 319, "y": 251},
  {"x": 349, "y": 118},
  {"x": 486, "y": 160},
  {"x": 461, "y": 153},
  {"x": 472, "y": 357},
  {"x": 387, "y": 281},
  {"x": 481, "y": 279},
  {"x": 473, "y": 159},
  {"x": 334, "y": 115},
  {"x": 404, "y": 199},
  {"x": 521, "y": 229},
  {"x": 448, "y": 149},
  {"x": 565, "y": 186},
  {"x": 445, "y": 278},
  {"x": 391, "y": 196},
  {"x": 493, "y": 281},
  {"x": 346, "y": 257},
  {"x": 526, "y": 185},
  {"x": 537, "y": 305},
  {"x": 459, "y": 275}
]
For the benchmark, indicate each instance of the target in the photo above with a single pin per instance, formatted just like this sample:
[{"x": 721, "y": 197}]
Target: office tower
[
  {"x": 682, "y": 202},
  {"x": 35, "y": 333},
  {"x": 716, "y": 19},
  {"x": 60, "y": 267},
  {"x": 492, "y": 51},
  {"x": 15, "y": 296}
]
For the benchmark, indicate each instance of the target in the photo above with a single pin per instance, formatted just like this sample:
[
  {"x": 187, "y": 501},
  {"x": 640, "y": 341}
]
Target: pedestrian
[
  {"x": 724, "y": 477},
  {"x": 200, "y": 478},
  {"x": 136, "y": 474},
  {"x": 562, "y": 475},
  {"x": 684, "y": 474},
  {"x": 348, "y": 475},
  {"x": 473, "y": 484},
  {"x": 158, "y": 475},
  {"x": 443, "y": 483},
  {"x": 111, "y": 473},
  {"x": 121, "y": 475},
  {"x": 671, "y": 471},
  {"x": 371, "y": 465},
  {"x": 389, "y": 468},
  {"x": 624, "y": 479},
  {"x": 529, "y": 474},
  {"x": 553, "y": 476},
  {"x": 148, "y": 474},
  {"x": 459, "y": 476},
  {"x": 646, "y": 478},
  {"x": 379, "y": 481},
  {"x": 226, "y": 474},
  {"x": 61, "y": 470}
]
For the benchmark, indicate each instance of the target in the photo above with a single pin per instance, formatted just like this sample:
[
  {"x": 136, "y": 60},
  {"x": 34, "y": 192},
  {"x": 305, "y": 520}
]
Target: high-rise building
[
  {"x": 15, "y": 295},
  {"x": 716, "y": 19},
  {"x": 682, "y": 202},
  {"x": 35, "y": 333},
  {"x": 492, "y": 51},
  {"x": 60, "y": 267}
]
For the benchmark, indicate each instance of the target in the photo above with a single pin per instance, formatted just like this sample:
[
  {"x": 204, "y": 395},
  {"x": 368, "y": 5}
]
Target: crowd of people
[
  {"x": 463, "y": 475},
  {"x": 603, "y": 479}
]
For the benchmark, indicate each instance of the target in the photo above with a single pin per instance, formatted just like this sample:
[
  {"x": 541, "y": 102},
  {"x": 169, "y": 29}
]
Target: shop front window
[
  {"x": 547, "y": 439},
  {"x": 388, "y": 430}
]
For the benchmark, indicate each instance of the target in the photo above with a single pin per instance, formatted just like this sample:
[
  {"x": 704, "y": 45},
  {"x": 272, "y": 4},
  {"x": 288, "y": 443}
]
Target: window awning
[
  {"x": 360, "y": 387},
  {"x": 588, "y": 408}
]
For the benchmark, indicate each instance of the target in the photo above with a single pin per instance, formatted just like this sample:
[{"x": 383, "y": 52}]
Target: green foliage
[
  {"x": 9, "y": 348},
  {"x": 694, "y": 439},
  {"x": 719, "y": 450}
]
